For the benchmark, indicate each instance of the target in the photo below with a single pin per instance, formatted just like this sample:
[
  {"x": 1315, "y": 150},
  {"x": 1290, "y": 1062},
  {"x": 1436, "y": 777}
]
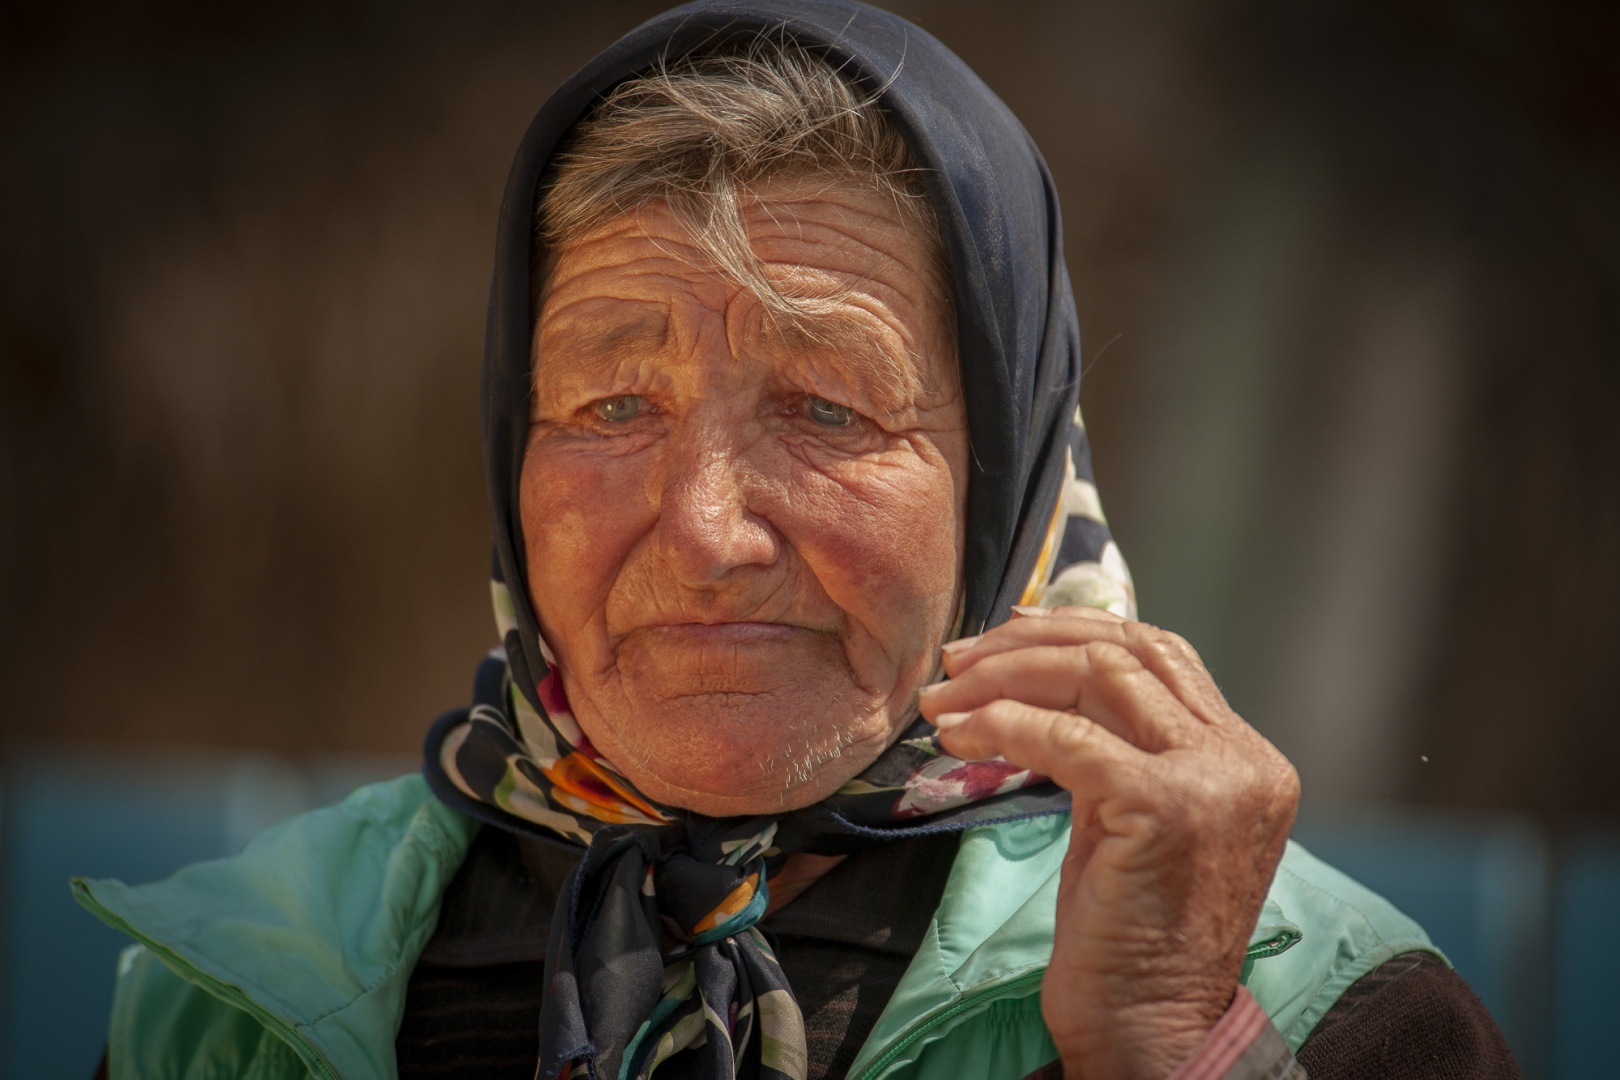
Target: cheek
[
  {"x": 884, "y": 538},
  {"x": 579, "y": 522}
]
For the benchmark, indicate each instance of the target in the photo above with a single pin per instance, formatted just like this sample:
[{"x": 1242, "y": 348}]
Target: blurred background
[{"x": 1348, "y": 278}]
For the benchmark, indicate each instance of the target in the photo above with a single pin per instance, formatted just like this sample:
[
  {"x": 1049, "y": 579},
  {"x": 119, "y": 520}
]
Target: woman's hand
[{"x": 1181, "y": 811}]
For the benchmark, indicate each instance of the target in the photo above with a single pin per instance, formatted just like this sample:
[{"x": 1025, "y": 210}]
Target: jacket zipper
[
  {"x": 922, "y": 1027},
  {"x": 313, "y": 1059}
]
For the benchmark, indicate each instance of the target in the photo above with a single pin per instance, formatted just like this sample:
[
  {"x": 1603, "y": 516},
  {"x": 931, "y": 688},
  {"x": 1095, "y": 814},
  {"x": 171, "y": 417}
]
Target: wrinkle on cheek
[
  {"x": 861, "y": 553},
  {"x": 884, "y": 499},
  {"x": 572, "y": 557}
]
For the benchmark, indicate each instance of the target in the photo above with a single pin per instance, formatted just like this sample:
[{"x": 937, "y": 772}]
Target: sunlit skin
[
  {"x": 745, "y": 546},
  {"x": 744, "y": 539}
]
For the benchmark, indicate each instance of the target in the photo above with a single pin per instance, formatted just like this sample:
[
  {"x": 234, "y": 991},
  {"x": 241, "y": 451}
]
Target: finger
[
  {"x": 1166, "y": 654},
  {"x": 1179, "y": 667},
  {"x": 1077, "y": 753},
  {"x": 1023, "y": 617},
  {"x": 1051, "y": 627},
  {"x": 1078, "y": 611},
  {"x": 1099, "y": 679}
]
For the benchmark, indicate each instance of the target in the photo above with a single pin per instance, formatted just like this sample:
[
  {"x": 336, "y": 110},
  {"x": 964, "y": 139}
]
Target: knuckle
[
  {"x": 1167, "y": 655},
  {"x": 1270, "y": 791},
  {"x": 1068, "y": 733},
  {"x": 1173, "y": 652},
  {"x": 1108, "y": 657},
  {"x": 1213, "y": 793},
  {"x": 1286, "y": 784},
  {"x": 1204, "y": 816},
  {"x": 1141, "y": 634},
  {"x": 1180, "y": 646},
  {"x": 1111, "y": 666}
]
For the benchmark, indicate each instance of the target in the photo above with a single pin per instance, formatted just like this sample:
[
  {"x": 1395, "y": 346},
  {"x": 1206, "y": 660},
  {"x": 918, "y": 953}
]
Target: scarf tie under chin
[{"x": 642, "y": 975}]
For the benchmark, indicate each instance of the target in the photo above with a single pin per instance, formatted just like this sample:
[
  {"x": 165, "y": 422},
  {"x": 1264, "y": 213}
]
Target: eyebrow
[
  {"x": 590, "y": 342},
  {"x": 846, "y": 345}
]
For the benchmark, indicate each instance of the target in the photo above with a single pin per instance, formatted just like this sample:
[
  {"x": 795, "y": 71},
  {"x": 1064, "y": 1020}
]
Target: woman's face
[{"x": 744, "y": 538}]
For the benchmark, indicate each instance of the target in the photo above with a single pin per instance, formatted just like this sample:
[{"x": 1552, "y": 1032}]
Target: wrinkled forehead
[{"x": 864, "y": 299}]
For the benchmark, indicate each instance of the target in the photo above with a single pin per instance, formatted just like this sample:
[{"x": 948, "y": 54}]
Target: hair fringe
[{"x": 700, "y": 132}]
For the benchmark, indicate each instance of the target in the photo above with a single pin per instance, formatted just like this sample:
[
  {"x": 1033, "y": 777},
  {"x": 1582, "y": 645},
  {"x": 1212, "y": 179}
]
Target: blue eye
[
  {"x": 616, "y": 410},
  {"x": 828, "y": 413}
]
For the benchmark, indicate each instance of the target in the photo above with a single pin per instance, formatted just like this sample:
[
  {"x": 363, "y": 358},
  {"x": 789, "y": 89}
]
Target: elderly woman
[{"x": 813, "y": 635}]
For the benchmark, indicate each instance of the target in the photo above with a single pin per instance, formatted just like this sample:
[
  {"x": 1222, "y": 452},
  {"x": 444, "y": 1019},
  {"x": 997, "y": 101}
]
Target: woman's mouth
[{"x": 741, "y": 632}]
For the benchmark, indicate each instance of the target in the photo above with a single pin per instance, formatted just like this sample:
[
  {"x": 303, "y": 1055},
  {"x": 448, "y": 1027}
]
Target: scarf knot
[{"x": 656, "y": 962}]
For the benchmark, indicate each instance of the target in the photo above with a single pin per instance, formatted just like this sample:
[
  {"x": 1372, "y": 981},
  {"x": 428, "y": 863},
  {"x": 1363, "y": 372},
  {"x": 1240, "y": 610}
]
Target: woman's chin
[
  {"x": 725, "y": 794},
  {"x": 759, "y": 741},
  {"x": 729, "y": 769}
]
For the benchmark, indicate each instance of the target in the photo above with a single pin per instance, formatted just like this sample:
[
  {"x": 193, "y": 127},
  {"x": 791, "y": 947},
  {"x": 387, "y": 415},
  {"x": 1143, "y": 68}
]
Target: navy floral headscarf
[{"x": 655, "y": 963}]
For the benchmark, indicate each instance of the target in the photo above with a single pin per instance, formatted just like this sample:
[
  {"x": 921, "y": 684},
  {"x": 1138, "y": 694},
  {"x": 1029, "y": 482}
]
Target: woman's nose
[{"x": 707, "y": 527}]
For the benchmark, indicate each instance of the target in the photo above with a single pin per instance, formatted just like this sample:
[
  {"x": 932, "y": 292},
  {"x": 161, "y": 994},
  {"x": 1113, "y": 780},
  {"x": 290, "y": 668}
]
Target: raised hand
[{"x": 1181, "y": 813}]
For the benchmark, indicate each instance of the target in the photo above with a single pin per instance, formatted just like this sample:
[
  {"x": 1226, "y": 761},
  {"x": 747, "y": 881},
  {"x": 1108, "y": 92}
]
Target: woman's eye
[
  {"x": 616, "y": 410},
  {"x": 829, "y": 413}
]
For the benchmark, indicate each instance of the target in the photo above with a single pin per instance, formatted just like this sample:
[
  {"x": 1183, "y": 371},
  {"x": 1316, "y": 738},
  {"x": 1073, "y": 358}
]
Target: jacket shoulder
[
  {"x": 310, "y": 933},
  {"x": 1343, "y": 930}
]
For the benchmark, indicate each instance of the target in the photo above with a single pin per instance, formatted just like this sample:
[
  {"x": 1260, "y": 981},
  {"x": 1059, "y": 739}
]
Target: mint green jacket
[{"x": 292, "y": 958}]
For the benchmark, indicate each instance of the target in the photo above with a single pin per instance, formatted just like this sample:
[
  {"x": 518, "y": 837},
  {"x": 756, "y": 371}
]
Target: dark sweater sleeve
[{"x": 1413, "y": 1018}]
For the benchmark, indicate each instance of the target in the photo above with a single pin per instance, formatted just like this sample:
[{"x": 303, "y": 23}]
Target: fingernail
[
  {"x": 931, "y": 687},
  {"x": 960, "y": 643},
  {"x": 947, "y": 720},
  {"x": 1029, "y": 611}
]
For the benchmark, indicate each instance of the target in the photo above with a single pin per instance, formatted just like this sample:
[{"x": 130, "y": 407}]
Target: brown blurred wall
[{"x": 1347, "y": 275}]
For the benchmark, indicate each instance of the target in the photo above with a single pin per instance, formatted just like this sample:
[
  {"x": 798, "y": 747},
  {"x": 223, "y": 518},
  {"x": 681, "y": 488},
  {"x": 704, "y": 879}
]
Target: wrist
[{"x": 1146, "y": 1041}]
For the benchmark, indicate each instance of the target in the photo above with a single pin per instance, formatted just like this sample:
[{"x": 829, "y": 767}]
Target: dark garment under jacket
[{"x": 474, "y": 998}]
